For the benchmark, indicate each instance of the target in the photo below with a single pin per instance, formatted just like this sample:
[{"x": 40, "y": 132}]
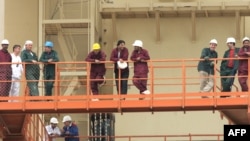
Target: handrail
[
  {"x": 168, "y": 79},
  {"x": 189, "y": 137},
  {"x": 34, "y": 128}
]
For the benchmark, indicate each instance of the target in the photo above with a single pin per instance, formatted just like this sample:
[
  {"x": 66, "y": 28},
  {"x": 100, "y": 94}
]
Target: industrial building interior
[{"x": 174, "y": 33}]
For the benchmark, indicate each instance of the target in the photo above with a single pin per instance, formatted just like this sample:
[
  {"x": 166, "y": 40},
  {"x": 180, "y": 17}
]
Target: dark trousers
[
  {"x": 49, "y": 84},
  {"x": 122, "y": 83},
  {"x": 227, "y": 82},
  {"x": 140, "y": 82},
  {"x": 243, "y": 80},
  {"x": 94, "y": 83}
]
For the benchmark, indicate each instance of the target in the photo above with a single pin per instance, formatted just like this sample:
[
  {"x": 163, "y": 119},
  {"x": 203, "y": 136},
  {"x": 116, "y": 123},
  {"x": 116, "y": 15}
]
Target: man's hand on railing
[{"x": 206, "y": 58}]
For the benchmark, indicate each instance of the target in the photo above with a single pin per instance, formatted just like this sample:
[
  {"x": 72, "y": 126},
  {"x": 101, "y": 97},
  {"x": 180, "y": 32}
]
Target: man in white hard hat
[
  {"x": 5, "y": 69},
  {"x": 206, "y": 67},
  {"x": 32, "y": 69},
  {"x": 243, "y": 64},
  {"x": 140, "y": 57},
  {"x": 97, "y": 70},
  {"x": 120, "y": 55},
  {"x": 17, "y": 69},
  {"x": 70, "y": 130},
  {"x": 52, "y": 129},
  {"x": 229, "y": 68}
]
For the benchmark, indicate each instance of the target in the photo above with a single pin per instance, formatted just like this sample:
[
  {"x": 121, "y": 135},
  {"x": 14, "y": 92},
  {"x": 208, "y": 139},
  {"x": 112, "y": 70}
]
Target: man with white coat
[
  {"x": 52, "y": 129},
  {"x": 17, "y": 70}
]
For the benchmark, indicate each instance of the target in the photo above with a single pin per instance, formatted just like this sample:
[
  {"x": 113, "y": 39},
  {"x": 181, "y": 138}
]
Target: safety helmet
[
  {"x": 49, "y": 44},
  {"x": 5, "y": 42},
  {"x": 231, "y": 40},
  {"x": 66, "y": 118},
  {"x": 245, "y": 39},
  {"x": 213, "y": 41},
  {"x": 54, "y": 120},
  {"x": 122, "y": 65},
  {"x": 138, "y": 43},
  {"x": 96, "y": 46},
  {"x": 28, "y": 42}
]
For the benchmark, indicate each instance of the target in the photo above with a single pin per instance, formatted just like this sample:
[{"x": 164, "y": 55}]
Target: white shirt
[
  {"x": 17, "y": 69},
  {"x": 50, "y": 130}
]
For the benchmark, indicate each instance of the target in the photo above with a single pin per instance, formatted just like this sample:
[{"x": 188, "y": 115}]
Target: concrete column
[{"x": 2, "y": 11}]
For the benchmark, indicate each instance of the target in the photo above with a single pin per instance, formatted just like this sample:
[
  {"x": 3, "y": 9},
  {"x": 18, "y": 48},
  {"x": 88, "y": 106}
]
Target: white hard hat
[
  {"x": 138, "y": 43},
  {"x": 213, "y": 41},
  {"x": 28, "y": 42},
  {"x": 122, "y": 65},
  {"x": 245, "y": 39},
  {"x": 54, "y": 120},
  {"x": 5, "y": 42},
  {"x": 66, "y": 118},
  {"x": 231, "y": 40}
]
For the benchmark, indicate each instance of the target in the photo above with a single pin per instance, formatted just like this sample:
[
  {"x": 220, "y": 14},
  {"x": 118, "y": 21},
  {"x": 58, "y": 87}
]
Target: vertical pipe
[
  {"x": 193, "y": 17},
  {"x": 100, "y": 125},
  {"x": 95, "y": 126},
  {"x": 106, "y": 126},
  {"x": 237, "y": 20}
]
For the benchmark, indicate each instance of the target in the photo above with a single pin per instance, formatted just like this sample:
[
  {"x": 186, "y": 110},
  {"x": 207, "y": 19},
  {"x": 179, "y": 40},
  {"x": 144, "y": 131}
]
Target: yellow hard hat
[{"x": 96, "y": 46}]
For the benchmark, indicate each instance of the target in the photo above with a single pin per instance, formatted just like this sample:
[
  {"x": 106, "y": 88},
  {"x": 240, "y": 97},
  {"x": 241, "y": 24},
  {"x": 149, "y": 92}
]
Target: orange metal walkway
[{"x": 174, "y": 85}]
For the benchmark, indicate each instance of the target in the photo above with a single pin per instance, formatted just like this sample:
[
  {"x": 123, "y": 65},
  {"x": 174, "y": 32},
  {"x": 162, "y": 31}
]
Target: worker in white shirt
[
  {"x": 17, "y": 70},
  {"x": 53, "y": 130}
]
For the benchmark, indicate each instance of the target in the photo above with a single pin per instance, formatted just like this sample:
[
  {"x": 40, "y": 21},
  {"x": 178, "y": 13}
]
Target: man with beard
[
  {"x": 243, "y": 64},
  {"x": 5, "y": 71}
]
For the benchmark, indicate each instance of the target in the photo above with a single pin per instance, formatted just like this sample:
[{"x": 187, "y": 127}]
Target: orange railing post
[
  {"x": 183, "y": 84},
  {"x": 88, "y": 85}
]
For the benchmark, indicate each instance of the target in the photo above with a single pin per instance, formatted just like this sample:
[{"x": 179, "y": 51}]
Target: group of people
[
  {"x": 119, "y": 56},
  {"x": 69, "y": 131},
  {"x": 12, "y": 68},
  {"x": 10, "y": 73},
  {"x": 234, "y": 60}
]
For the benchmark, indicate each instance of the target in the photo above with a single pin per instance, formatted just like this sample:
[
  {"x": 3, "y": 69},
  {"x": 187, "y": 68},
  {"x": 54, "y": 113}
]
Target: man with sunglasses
[{"x": 229, "y": 68}]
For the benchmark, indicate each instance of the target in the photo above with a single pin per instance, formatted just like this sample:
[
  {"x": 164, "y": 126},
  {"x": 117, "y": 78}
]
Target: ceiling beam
[
  {"x": 158, "y": 30},
  {"x": 193, "y": 19}
]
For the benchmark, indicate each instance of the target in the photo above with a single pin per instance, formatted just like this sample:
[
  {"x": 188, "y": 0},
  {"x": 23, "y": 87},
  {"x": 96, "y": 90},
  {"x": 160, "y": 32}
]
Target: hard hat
[
  {"x": 213, "y": 41},
  {"x": 122, "y": 65},
  {"x": 96, "y": 46},
  {"x": 48, "y": 44},
  {"x": 28, "y": 42},
  {"x": 66, "y": 118},
  {"x": 138, "y": 43},
  {"x": 54, "y": 120},
  {"x": 245, "y": 39},
  {"x": 5, "y": 42},
  {"x": 231, "y": 40}
]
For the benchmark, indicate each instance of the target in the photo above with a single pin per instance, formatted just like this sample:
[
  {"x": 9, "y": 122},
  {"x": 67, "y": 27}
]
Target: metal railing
[{"x": 168, "y": 79}]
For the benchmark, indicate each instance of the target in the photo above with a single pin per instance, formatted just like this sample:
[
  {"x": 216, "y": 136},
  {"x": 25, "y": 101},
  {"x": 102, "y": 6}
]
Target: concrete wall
[
  {"x": 21, "y": 22},
  {"x": 176, "y": 43}
]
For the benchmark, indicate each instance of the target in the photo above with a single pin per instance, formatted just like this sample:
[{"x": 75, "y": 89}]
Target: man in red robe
[{"x": 5, "y": 71}]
